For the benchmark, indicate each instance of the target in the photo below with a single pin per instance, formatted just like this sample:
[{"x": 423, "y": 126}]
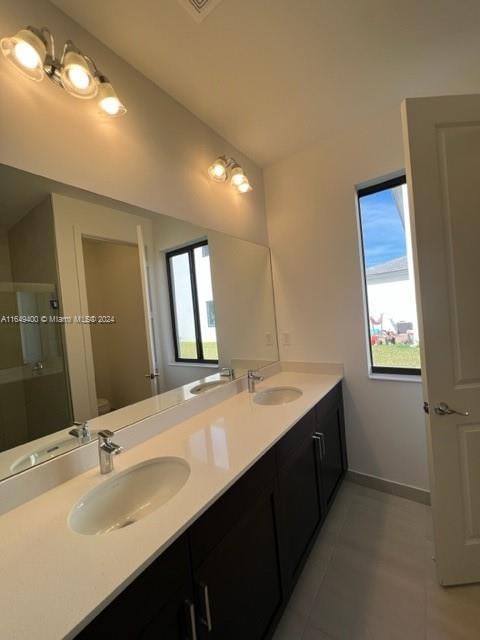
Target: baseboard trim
[{"x": 387, "y": 486}]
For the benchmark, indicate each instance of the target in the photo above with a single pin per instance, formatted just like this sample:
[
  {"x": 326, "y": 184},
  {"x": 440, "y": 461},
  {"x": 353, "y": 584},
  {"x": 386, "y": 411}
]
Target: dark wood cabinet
[
  {"x": 176, "y": 619},
  {"x": 230, "y": 575},
  {"x": 236, "y": 561},
  {"x": 330, "y": 428},
  {"x": 238, "y": 586},
  {"x": 157, "y": 599},
  {"x": 299, "y": 491}
]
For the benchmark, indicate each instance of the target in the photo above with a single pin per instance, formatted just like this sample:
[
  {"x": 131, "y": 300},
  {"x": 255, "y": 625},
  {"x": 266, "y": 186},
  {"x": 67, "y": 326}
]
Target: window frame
[
  {"x": 189, "y": 250},
  {"x": 383, "y": 184}
]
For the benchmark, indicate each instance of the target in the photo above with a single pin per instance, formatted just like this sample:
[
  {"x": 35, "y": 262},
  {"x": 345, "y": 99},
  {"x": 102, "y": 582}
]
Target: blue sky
[{"x": 383, "y": 234}]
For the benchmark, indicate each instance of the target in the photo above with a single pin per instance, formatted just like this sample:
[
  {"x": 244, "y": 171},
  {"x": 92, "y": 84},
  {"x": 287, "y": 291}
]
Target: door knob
[
  {"x": 443, "y": 409},
  {"x": 151, "y": 376}
]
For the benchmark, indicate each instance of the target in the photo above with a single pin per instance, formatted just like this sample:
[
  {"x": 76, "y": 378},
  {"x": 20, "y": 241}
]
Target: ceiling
[{"x": 274, "y": 76}]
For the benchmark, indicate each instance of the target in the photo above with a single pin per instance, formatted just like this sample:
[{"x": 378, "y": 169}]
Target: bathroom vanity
[
  {"x": 219, "y": 557},
  {"x": 231, "y": 573}
]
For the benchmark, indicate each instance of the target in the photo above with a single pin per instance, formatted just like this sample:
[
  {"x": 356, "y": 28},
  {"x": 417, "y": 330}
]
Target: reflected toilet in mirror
[{"x": 113, "y": 311}]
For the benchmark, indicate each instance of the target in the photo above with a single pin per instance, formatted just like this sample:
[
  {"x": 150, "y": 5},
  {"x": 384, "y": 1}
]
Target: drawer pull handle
[
  {"x": 190, "y": 607},
  {"x": 207, "y": 618}
]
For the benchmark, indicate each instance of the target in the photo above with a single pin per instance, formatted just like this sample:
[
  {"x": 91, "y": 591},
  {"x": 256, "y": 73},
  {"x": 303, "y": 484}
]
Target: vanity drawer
[{"x": 224, "y": 514}]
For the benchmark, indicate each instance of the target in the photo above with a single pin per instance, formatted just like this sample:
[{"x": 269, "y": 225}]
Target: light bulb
[
  {"x": 108, "y": 101},
  {"x": 237, "y": 175},
  {"x": 218, "y": 170},
  {"x": 111, "y": 106},
  {"x": 26, "y": 55},
  {"x": 244, "y": 187},
  {"x": 27, "y": 52},
  {"x": 77, "y": 77}
]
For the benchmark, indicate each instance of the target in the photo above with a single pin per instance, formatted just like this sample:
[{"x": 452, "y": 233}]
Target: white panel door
[
  {"x": 153, "y": 374},
  {"x": 75, "y": 219},
  {"x": 442, "y": 145}
]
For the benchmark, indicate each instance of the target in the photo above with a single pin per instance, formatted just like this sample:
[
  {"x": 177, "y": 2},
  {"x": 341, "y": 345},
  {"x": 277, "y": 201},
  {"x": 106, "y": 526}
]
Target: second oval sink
[
  {"x": 129, "y": 496},
  {"x": 277, "y": 395},
  {"x": 206, "y": 386}
]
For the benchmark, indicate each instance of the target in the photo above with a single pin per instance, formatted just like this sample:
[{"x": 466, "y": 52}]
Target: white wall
[
  {"x": 155, "y": 157},
  {"x": 312, "y": 226}
]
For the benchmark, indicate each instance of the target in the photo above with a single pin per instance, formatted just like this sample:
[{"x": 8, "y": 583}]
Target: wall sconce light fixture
[
  {"x": 32, "y": 52},
  {"x": 224, "y": 168}
]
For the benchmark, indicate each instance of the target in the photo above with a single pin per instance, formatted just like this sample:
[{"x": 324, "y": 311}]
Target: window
[
  {"x": 191, "y": 304},
  {"x": 389, "y": 283}
]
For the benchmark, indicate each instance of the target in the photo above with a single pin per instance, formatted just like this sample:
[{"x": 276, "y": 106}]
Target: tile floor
[{"x": 371, "y": 576}]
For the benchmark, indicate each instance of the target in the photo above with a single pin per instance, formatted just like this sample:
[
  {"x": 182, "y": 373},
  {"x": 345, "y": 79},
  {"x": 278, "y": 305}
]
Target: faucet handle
[
  {"x": 105, "y": 434},
  {"x": 80, "y": 430}
]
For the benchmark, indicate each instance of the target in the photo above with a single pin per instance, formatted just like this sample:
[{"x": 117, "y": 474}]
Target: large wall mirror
[{"x": 109, "y": 310}]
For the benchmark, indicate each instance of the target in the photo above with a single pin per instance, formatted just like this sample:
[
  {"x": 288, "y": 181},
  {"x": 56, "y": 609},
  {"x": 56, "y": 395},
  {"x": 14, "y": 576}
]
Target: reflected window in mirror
[{"x": 192, "y": 304}]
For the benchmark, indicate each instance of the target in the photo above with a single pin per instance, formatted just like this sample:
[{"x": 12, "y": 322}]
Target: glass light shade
[
  {"x": 218, "y": 170},
  {"x": 27, "y": 52},
  {"x": 237, "y": 176},
  {"x": 244, "y": 187},
  {"x": 108, "y": 101},
  {"x": 77, "y": 77}
]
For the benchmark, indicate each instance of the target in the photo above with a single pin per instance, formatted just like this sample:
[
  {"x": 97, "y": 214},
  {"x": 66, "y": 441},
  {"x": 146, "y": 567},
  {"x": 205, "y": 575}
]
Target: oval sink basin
[
  {"x": 277, "y": 395},
  {"x": 206, "y": 386},
  {"x": 129, "y": 496},
  {"x": 44, "y": 454}
]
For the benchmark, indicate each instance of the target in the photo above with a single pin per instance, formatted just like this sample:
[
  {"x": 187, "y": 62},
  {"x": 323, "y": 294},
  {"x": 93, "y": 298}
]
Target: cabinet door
[
  {"x": 238, "y": 584},
  {"x": 157, "y": 594},
  {"x": 300, "y": 504},
  {"x": 176, "y": 620},
  {"x": 331, "y": 429}
]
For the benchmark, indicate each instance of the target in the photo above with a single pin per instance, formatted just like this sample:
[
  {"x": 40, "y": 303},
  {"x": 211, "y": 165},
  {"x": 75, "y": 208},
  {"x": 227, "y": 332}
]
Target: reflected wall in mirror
[{"x": 104, "y": 306}]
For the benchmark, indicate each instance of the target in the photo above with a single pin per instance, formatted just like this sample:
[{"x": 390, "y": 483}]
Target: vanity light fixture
[
  {"x": 77, "y": 74},
  {"x": 32, "y": 52},
  {"x": 223, "y": 168},
  {"x": 27, "y": 51},
  {"x": 218, "y": 169}
]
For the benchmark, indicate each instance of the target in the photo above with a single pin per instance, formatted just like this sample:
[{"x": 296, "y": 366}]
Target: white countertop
[{"x": 53, "y": 580}]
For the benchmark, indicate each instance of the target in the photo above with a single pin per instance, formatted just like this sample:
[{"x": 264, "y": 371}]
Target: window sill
[
  {"x": 394, "y": 377},
  {"x": 203, "y": 365}
]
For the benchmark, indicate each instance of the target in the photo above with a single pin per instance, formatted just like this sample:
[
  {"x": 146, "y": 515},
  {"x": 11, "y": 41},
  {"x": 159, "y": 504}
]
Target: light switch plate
[{"x": 286, "y": 342}]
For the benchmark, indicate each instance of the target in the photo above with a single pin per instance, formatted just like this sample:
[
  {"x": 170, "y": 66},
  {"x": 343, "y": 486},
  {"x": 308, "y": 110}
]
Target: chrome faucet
[
  {"x": 81, "y": 431},
  {"x": 226, "y": 372},
  {"x": 106, "y": 450},
  {"x": 252, "y": 378}
]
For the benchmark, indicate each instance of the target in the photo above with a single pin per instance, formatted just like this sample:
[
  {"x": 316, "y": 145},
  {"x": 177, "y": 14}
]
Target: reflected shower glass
[{"x": 32, "y": 368}]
